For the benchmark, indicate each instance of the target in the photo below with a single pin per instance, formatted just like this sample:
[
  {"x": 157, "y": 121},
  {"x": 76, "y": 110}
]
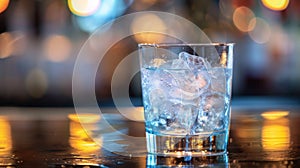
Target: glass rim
[{"x": 158, "y": 45}]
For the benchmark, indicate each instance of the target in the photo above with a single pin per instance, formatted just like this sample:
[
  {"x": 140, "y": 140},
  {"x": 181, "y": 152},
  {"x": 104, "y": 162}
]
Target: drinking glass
[{"x": 186, "y": 92}]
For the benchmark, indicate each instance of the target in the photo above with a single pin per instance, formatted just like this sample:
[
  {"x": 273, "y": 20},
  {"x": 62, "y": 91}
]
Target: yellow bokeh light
[
  {"x": 3, "y": 5},
  {"x": 83, "y": 7},
  {"x": 149, "y": 24},
  {"x": 273, "y": 115},
  {"x": 5, "y": 135},
  {"x": 57, "y": 48},
  {"x": 261, "y": 31},
  {"x": 36, "y": 83},
  {"x": 276, "y": 5},
  {"x": 242, "y": 17}
]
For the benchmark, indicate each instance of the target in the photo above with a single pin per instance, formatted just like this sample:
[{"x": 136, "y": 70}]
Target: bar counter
[{"x": 261, "y": 135}]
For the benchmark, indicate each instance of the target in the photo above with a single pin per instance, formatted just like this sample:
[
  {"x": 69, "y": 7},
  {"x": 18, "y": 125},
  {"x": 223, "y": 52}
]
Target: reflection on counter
[
  {"x": 56, "y": 138},
  {"x": 247, "y": 133},
  {"x": 5, "y": 136},
  {"x": 264, "y": 136},
  {"x": 205, "y": 161},
  {"x": 275, "y": 131},
  {"x": 6, "y": 156},
  {"x": 79, "y": 136}
]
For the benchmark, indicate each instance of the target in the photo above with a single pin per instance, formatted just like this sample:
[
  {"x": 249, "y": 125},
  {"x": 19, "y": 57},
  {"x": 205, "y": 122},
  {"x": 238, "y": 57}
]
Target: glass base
[
  {"x": 190, "y": 145},
  {"x": 202, "y": 161}
]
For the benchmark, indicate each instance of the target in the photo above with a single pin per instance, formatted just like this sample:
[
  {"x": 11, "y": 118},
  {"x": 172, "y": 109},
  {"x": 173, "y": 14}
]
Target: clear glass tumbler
[{"x": 186, "y": 96}]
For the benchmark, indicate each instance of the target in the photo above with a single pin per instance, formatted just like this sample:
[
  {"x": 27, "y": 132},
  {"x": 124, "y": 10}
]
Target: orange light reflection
[
  {"x": 80, "y": 136},
  {"x": 273, "y": 115},
  {"x": 275, "y": 131},
  {"x": 5, "y": 136}
]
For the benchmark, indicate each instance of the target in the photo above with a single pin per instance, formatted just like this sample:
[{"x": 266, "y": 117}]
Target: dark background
[{"x": 40, "y": 40}]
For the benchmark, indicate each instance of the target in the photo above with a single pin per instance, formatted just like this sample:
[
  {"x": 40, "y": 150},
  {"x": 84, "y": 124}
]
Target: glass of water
[{"x": 186, "y": 92}]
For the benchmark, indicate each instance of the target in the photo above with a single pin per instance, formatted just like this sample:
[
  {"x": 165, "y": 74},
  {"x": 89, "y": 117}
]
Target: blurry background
[{"x": 40, "y": 39}]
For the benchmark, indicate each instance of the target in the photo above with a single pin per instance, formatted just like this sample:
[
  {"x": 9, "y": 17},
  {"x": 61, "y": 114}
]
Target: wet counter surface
[{"x": 54, "y": 137}]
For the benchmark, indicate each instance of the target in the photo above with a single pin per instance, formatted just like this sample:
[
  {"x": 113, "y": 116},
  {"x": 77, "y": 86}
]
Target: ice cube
[
  {"x": 187, "y": 117},
  {"x": 202, "y": 123},
  {"x": 213, "y": 102},
  {"x": 178, "y": 117},
  {"x": 202, "y": 80},
  {"x": 196, "y": 79},
  {"x": 175, "y": 64},
  {"x": 179, "y": 64},
  {"x": 165, "y": 118},
  {"x": 156, "y": 97},
  {"x": 218, "y": 79},
  {"x": 210, "y": 115},
  {"x": 167, "y": 113},
  {"x": 194, "y": 62},
  {"x": 189, "y": 86},
  {"x": 157, "y": 62},
  {"x": 161, "y": 83},
  {"x": 163, "y": 79}
]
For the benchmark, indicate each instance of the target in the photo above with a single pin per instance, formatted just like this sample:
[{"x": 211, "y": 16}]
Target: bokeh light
[
  {"x": 106, "y": 11},
  {"x": 36, "y": 83},
  {"x": 57, "y": 48},
  {"x": 146, "y": 22},
  {"x": 242, "y": 17},
  {"x": 276, "y": 5},
  {"x": 83, "y": 7},
  {"x": 3, "y": 5},
  {"x": 6, "y": 47},
  {"x": 261, "y": 30},
  {"x": 12, "y": 43}
]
